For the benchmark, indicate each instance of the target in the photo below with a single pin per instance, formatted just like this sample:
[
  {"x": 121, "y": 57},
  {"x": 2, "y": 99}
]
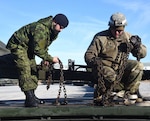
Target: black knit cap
[{"x": 61, "y": 19}]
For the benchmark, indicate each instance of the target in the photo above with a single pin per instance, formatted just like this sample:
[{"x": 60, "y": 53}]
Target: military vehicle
[{"x": 64, "y": 109}]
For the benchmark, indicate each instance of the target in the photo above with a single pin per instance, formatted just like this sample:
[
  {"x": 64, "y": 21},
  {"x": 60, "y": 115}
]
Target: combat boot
[
  {"x": 30, "y": 99},
  {"x": 131, "y": 99},
  {"x": 39, "y": 101}
]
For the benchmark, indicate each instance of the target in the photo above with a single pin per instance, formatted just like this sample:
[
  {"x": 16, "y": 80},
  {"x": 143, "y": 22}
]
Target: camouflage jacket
[
  {"x": 106, "y": 47},
  {"x": 35, "y": 38}
]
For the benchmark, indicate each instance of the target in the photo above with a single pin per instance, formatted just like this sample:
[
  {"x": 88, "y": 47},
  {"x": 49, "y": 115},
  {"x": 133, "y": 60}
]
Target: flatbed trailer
[{"x": 76, "y": 109}]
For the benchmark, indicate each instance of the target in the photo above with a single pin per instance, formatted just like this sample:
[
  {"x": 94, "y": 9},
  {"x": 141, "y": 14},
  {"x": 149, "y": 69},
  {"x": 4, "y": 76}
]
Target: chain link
[
  {"x": 49, "y": 76},
  {"x": 61, "y": 84}
]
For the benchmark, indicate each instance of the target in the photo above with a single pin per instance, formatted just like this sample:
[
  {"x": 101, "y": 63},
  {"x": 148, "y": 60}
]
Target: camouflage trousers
[
  {"x": 132, "y": 76},
  {"x": 26, "y": 69},
  {"x": 130, "y": 80}
]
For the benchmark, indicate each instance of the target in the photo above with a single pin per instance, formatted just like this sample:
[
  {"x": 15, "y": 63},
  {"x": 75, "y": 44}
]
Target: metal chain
[
  {"x": 101, "y": 88},
  {"x": 49, "y": 76},
  {"x": 120, "y": 71},
  {"x": 61, "y": 84},
  {"x": 124, "y": 58},
  {"x": 101, "y": 83},
  {"x": 106, "y": 97}
]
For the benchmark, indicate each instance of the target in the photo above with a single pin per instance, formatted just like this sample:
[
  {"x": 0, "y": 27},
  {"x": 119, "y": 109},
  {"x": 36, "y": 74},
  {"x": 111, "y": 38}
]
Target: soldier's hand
[
  {"x": 135, "y": 41},
  {"x": 95, "y": 61},
  {"x": 45, "y": 63},
  {"x": 55, "y": 60}
]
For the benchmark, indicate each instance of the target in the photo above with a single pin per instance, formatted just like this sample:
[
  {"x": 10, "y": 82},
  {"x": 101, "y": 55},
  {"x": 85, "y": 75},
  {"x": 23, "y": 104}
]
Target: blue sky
[{"x": 87, "y": 17}]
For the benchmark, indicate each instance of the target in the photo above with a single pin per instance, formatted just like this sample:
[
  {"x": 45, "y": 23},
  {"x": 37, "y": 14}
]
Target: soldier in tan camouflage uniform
[
  {"x": 30, "y": 40},
  {"x": 108, "y": 56}
]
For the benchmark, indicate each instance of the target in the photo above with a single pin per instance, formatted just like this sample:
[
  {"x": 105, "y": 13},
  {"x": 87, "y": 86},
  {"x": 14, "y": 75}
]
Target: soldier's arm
[
  {"x": 92, "y": 51},
  {"x": 142, "y": 51}
]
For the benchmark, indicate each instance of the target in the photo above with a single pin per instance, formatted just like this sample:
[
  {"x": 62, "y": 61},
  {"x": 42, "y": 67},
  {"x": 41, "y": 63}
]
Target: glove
[
  {"x": 94, "y": 61},
  {"x": 135, "y": 41}
]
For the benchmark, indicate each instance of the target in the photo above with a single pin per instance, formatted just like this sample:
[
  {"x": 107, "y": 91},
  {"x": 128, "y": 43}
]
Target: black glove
[
  {"x": 135, "y": 41},
  {"x": 94, "y": 61}
]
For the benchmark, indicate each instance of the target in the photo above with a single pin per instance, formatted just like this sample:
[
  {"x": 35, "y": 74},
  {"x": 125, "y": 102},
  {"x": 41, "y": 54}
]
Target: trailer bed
[
  {"x": 80, "y": 106},
  {"x": 75, "y": 110}
]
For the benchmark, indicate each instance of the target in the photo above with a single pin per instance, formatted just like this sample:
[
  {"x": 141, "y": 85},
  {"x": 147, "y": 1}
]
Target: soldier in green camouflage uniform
[
  {"x": 108, "y": 56},
  {"x": 30, "y": 40}
]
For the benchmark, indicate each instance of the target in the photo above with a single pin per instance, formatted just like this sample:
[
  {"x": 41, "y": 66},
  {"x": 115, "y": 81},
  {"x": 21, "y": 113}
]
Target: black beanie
[{"x": 61, "y": 19}]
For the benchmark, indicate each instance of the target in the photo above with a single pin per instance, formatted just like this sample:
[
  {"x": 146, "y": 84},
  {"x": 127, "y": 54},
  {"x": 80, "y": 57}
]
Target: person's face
[
  {"x": 116, "y": 33},
  {"x": 57, "y": 28}
]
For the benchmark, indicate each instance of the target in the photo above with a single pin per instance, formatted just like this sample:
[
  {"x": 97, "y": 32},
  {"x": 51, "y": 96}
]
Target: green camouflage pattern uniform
[
  {"x": 30, "y": 40},
  {"x": 106, "y": 47}
]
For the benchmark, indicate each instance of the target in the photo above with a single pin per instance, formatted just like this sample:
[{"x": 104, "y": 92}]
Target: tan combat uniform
[{"x": 111, "y": 52}]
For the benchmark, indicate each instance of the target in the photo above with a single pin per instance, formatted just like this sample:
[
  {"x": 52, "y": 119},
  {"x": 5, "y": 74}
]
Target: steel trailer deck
[{"x": 76, "y": 109}]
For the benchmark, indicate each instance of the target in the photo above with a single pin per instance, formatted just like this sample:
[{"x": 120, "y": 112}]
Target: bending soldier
[
  {"x": 108, "y": 56},
  {"x": 30, "y": 40}
]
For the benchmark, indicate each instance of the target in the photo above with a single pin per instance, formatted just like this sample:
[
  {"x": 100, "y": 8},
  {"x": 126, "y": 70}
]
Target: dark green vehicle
[{"x": 64, "y": 108}]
